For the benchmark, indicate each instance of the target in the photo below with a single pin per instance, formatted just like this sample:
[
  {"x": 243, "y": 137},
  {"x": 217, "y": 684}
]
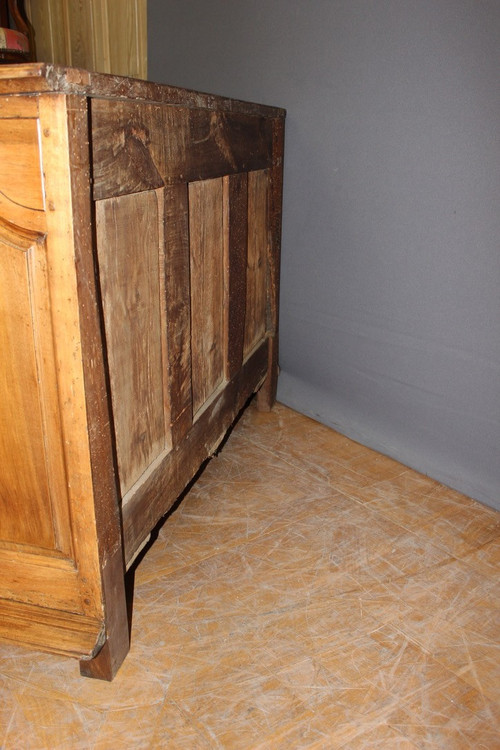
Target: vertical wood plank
[
  {"x": 267, "y": 393},
  {"x": 235, "y": 268},
  {"x": 79, "y": 36},
  {"x": 207, "y": 288},
  {"x": 127, "y": 54},
  {"x": 256, "y": 301},
  {"x": 48, "y": 20},
  {"x": 101, "y": 53},
  {"x": 98, "y": 404},
  {"x": 178, "y": 309},
  {"x": 129, "y": 248},
  {"x": 109, "y": 36}
]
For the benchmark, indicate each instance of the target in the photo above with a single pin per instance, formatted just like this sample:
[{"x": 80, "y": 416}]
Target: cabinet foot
[
  {"x": 107, "y": 662},
  {"x": 119, "y": 591}
]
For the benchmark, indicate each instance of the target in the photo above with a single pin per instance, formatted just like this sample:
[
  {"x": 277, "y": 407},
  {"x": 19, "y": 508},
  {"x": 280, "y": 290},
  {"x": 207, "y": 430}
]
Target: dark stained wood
[
  {"x": 235, "y": 267},
  {"x": 178, "y": 309},
  {"x": 40, "y": 77},
  {"x": 115, "y": 626},
  {"x": 266, "y": 396},
  {"x": 130, "y": 155},
  {"x": 164, "y": 484},
  {"x": 258, "y": 258},
  {"x": 207, "y": 288}
]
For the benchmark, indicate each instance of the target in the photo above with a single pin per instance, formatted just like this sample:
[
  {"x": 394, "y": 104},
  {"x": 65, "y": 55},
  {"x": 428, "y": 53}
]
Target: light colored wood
[
  {"x": 48, "y": 18},
  {"x": 25, "y": 474},
  {"x": 48, "y": 629},
  {"x": 130, "y": 250},
  {"x": 21, "y": 174},
  {"x": 109, "y": 36},
  {"x": 127, "y": 37},
  {"x": 56, "y": 156},
  {"x": 48, "y": 549},
  {"x": 258, "y": 239},
  {"x": 207, "y": 288}
]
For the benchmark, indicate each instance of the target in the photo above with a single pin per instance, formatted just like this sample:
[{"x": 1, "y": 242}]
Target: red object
[{"x": 14, "y": 41}]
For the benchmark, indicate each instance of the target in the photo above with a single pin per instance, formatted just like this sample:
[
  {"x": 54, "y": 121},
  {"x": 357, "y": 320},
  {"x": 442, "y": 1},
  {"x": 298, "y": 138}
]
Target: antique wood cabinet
[{"x": 139, "y": 262}]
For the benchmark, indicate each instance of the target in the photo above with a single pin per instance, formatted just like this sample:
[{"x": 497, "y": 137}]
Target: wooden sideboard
[{"x": 139, "y": 274}]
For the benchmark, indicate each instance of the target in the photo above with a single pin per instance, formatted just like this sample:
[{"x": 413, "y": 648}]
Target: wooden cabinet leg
[
  {"x": 107, "y": 661},
  {"x": 266, "y": 395}
]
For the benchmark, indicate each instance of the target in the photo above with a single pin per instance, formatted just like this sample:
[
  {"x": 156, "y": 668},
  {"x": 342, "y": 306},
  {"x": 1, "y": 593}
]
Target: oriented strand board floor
[{"x": 307, "y": 593}]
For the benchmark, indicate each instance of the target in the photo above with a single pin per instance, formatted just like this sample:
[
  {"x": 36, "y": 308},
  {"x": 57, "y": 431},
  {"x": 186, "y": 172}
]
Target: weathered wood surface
[
  {"x": 235, "y": 267},
  {"x": 113, "y": 619},
  {"x": 257, "y": 261},
  {"x": 131, "y": 154},
  {"x": 42, "y": 77},
  {"x": 130, "y": 253},
  {"x": 139, "y": 310},
  {"x": 207, "y": 288},
  {"x": 267, "y": 393},
  {"x": 178, "y": 309},
  {"x": 166, "y": 480}
]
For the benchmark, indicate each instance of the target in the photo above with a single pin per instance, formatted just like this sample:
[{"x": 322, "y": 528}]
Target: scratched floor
[{"x": 307, "y": 593}]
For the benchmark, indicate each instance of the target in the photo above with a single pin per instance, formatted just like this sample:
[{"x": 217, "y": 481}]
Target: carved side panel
[
  {"x": 25, "y": 511},
  {"x": 48, "y": 550}
]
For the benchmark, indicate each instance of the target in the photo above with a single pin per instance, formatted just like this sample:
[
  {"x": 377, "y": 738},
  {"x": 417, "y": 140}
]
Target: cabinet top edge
[{"x": 37, "y": 78}]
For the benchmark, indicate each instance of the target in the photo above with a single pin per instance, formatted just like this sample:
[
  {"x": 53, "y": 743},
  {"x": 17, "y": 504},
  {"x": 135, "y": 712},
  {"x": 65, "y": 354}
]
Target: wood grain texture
[
  {"x": 130, "y": 154},
  {"x": 21, "y": 174},
  {"x": 109, "y": 36},
  {"x": 42, "y": 77},
  {"x": 49, "y": 629},
  {"x": 69, "y": 388},
  {"x": 257, "y": 260},
  {"x": 207, "y": 288},
  {"x": 235, "y": 268},
  {"x": 25, "y": 509},
  {"x": 148, "y": 318},
  {"x": 114, "y": 615},
  {"x": 49, "y": 562},
  {"x": 163, "y": 484},
  {"x": 129, "y": 247},
  {"x": 267, "y": 394},
  {"x": 178, "y": 310}
]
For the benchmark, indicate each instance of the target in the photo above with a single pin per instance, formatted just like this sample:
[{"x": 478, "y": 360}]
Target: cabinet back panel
[
  {"x": 207, "y": 288},
  {"x": 130, "y": 252}
]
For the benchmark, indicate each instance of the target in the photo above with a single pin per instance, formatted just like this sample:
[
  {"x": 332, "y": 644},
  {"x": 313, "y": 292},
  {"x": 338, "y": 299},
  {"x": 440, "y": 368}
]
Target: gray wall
[{"x": 390, "y": 306}]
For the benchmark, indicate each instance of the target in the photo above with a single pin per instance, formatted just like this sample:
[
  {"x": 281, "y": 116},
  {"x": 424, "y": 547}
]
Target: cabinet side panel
[
  {"x": 129, "y": 244},
  {"x": 207, "y": 287},
  {"x": 25, "y": 507},
  {"x": 256, "y": 302}
]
